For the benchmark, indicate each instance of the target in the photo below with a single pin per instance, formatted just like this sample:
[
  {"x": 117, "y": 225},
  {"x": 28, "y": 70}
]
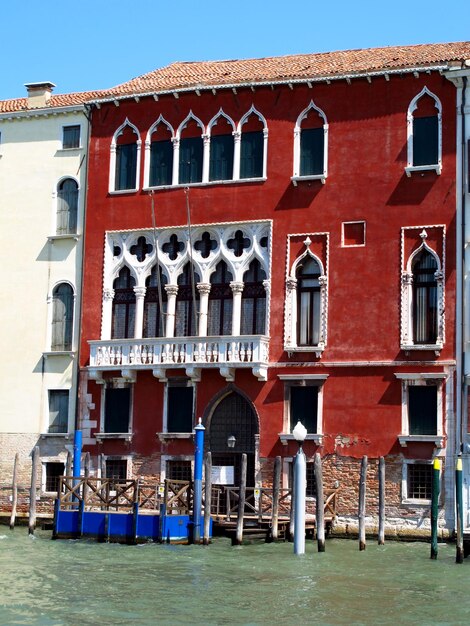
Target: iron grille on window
[
  {"x": 53, "y": 473},
  {"x": 419, "y": 481},
  {"x": 178, "y": 470},
  {"x": 116, "y": 469}
]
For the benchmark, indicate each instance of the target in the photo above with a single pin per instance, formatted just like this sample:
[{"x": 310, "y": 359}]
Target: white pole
[{"x": 300, "y": 486}]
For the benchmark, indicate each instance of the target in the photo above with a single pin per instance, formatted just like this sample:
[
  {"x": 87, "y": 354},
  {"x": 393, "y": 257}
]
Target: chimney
[{"x": 38, "y": 94}]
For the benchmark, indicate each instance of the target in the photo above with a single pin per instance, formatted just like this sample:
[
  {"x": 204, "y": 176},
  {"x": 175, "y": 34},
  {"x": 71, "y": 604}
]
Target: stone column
[
  {"x": 139, "y": 311},
  {"x": 107, "y": 315},
  {"x": 236, "y": 154},
  {"x": 237, "y": 289},
  {"x": 205, "y": 157},
  {"x": 204, "y": 290},
  {"x": 171, "y": 291},
  {"x": 176, "y": 160}
]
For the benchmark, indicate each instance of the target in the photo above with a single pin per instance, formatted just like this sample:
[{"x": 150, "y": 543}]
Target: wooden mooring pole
[
  {"x": 275, "y": 509},
  {"x": 381, "y": 537},
  {"x": 207, "y": 499},
  {"x": 320, "y": 511},
  {"x": 436, "y": 477},
  {"x": 14, "y": 492},
  {"x": 241, "y": 502},
  {"x": 362, "y": 504},
  {"x": 459, "y": 511},
  {"x": 68, "y": 464},
  {"x": 32, "y": 493}
]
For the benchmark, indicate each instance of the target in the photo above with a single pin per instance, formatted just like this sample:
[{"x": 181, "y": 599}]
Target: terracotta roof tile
[
  {"x": 202, "y": 74},
  {"x": 59, "y": 100}
]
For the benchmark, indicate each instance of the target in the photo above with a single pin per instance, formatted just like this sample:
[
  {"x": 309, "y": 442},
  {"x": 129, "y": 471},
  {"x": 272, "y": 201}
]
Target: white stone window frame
[
  {"x": 212, "y": 123},
  {"x": 61, "y": 138},
  {"x": 290, "y": 316},
  {"x": 423, "y": 379},
  {"x": 174, "y": 457},
  {"x": 436, "y": 167},
  {"x": 297, "y": 134},
  {"x": 404, "y": 482},
  {"x": 112, "y": 161},
  {"x": 177, "y": 382},
  {"x": 50, "y": 316},
  {"x": 147, "y": 150},
  {"x": 353, "y": 245},
  {"x": 44, "y": 461},
  {"x": 237, "y": 147},
  {"x": 406, "y": 335},
  {"x": 117, "y": 383},
  {"x": 302, "y": 380},
  {"x": 120, "y": 457}
]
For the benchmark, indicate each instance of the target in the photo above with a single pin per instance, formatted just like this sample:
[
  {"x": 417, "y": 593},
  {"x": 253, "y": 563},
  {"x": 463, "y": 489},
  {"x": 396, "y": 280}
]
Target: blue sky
[{"x": 95, "y": 44}]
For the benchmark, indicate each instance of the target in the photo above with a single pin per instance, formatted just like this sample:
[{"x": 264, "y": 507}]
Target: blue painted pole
[
  {"x": 77, "y": 453},
  {"x": 300, "y": 485},
  {"x": 198, "y": 461}
]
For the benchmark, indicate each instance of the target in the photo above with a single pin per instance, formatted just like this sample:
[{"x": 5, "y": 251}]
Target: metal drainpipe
[
  {"x": 460, "y": 433},
  {"x": 88, "y": 113}
]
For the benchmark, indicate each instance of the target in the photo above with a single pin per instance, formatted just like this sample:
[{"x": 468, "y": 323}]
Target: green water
[{"x": 51, "y": 583}]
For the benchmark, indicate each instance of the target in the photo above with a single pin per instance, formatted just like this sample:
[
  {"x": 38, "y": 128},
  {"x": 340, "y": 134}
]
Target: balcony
[{"x": 226, "y": 353}]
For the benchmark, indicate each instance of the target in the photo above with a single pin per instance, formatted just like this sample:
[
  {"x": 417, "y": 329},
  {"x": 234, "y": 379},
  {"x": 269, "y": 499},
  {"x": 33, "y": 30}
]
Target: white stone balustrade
[{"x": 179, "y": 352}]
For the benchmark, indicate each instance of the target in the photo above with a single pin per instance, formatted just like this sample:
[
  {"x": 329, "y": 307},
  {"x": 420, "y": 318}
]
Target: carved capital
[
  {"x": 407, "y": 278},
  {"x": 171, "y": 290},
  {"x": 439, "y": 275},
  {"x": 291, "y": 283},
  {"x": 322, "y": 281},
  {"x": 108, "y": 294},
  {"x": 140, "y": 292},
  {"x": 203, "y": 288},
  {"x": 236, "y": 287},
  {"x": 267, "y": 285}
]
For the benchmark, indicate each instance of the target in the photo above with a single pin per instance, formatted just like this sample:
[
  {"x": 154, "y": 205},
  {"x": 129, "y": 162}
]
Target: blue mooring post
[
  {"x": 77, "y": 453},
  {"x": 300, "y": 489},
  {"x": 198, "y": 459}
]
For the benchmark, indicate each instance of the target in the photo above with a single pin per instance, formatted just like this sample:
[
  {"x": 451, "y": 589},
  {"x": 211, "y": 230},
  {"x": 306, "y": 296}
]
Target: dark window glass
[
  {"x": 126, "y": 166},
  {"x": 253, "y": 313},
  {"x": 185, "y": 323},
  {"x": 116, "y": 410},
  {"x": 53, "y": 473},
  {"x": 154, "y": 321},
  {"x": 425, "y": 316},
  {"x": 425, "y": 140},
  {"x": 62, "y": 317},
  {"x": 422, "y": 410},
  {"x": 251, "y": 155},
  {"x": 219, "y": 319},
  {"x": 161, "y": 163},
  {"x": 178, "y": 470},
  {"x": 304, "y": 407},
  {"x": 71, "y": 137},
  {"x": 190, "y": 165},
  {"x": 221, "y": 159},
  {"x": 419, "y": 481},
  {"x": 311, "y": 151},
  {"x": 308, "y": 303},
  {"x": 123, "y": 305},
  {"x": 180, "y": 409},
  {"x": 58, "y": 410},
  {"x": 116, "y": 469},
  {"x": 67, "y": 207}
]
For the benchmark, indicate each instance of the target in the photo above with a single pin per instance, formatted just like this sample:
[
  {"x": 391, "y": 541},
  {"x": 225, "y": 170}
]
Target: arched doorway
[{"x": 232, "y": 431}]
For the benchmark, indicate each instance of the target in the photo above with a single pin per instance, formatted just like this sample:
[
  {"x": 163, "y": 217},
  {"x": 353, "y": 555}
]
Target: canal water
[{"x": 77, "y": 583}]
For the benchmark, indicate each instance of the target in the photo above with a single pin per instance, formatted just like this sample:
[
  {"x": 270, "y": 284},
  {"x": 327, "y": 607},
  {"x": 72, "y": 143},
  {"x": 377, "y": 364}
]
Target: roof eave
[{"x": 45, "y": 111}]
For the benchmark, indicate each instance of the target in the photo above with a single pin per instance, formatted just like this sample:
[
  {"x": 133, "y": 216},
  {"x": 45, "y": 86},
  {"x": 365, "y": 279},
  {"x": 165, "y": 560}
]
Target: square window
[
  {"x": 422, "y": 410},
  {"x": 116, "y": 469},
  {"x": 178, "y": 470},
  {"x": 418, "y": 481},
  {"x": 71, "y": 137},
  {"x": 180, "y": 399},
  {"x": 117, "y": 410},
  {"x": 303, "y": 407},
  {"x": 53, "y": 473},
  {"x": 354, "y": 234},
  {"x": 58, "y": 410}
]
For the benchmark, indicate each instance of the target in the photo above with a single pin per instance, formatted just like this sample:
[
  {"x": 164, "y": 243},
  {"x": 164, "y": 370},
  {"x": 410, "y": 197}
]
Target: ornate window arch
[
  {"x": 251, "y": 145},
  {"x": 124, "y": 165},
  {"x": 311, "y": 145},
  {"x": 159, "y": 154},
  {"x": 306, "y": 304},
  {"x": 424, "y": 133},
  {"x": 67, "y": 206},
  {"x": 222, "y": 145},
  {"x": 124, "y": 304},
  {"x": 190, "y": 151},
  {"x": 63, "y": 298},
  {"x": 423, "y": 300}
]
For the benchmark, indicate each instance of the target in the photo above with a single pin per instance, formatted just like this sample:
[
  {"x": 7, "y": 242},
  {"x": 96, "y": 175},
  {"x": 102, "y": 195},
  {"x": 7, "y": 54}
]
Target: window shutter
[
  {"x": 422, "y": 410},
  {"x": 190, "y": 165},
  {"x": 251, "y": 155},
  {"x": 425, "y": 140},
  {"x": 311, "y": 151},
  {"x": 180, "y": 409},
  {"x": 221, "y": 158},
  {"x": 161, "y": 163},
  {"x": 117, "y": 408}
]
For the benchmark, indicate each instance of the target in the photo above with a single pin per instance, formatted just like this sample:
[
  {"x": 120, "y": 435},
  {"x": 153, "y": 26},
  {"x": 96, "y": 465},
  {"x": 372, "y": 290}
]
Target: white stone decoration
[
  {"x": 297, "y": 133},
  {"x": 112, "y": 160},
  {"x": 406, "y": 335},
  {"x": 290, "y": 313},
  {"x": 148, "y": 143},
  {"x": 437, "y": 167}
]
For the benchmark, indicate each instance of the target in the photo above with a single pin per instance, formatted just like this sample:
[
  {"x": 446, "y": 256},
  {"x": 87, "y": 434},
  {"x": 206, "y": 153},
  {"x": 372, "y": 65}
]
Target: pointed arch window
[
  {"x": 219, "y": 320},
  {"x": 221, "y": 148},
  {"x": 191, "y": 151},
  {"x": 123, "y": 318},
  {"x": 253, "y": 145},
  {"x": 311, "y": 145},
  {"x": 425, "y": 312},
  {"x": 161, "y": 155},
  {"x": 154, "y": 318},
  {"x": 424, "y": 130},
  {"x": 253, "y": 311},
  {"x": 62, "y": 317},
  {"x": 308, "y": 302},
  {"x": 67, "y": 207},
  {"x": 186, "y": 301},
  {"x": 125, "y": 158}
]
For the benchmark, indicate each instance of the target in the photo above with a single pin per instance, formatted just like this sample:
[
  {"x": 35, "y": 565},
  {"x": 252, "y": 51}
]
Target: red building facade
[{"x": 268, "y": 241}]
